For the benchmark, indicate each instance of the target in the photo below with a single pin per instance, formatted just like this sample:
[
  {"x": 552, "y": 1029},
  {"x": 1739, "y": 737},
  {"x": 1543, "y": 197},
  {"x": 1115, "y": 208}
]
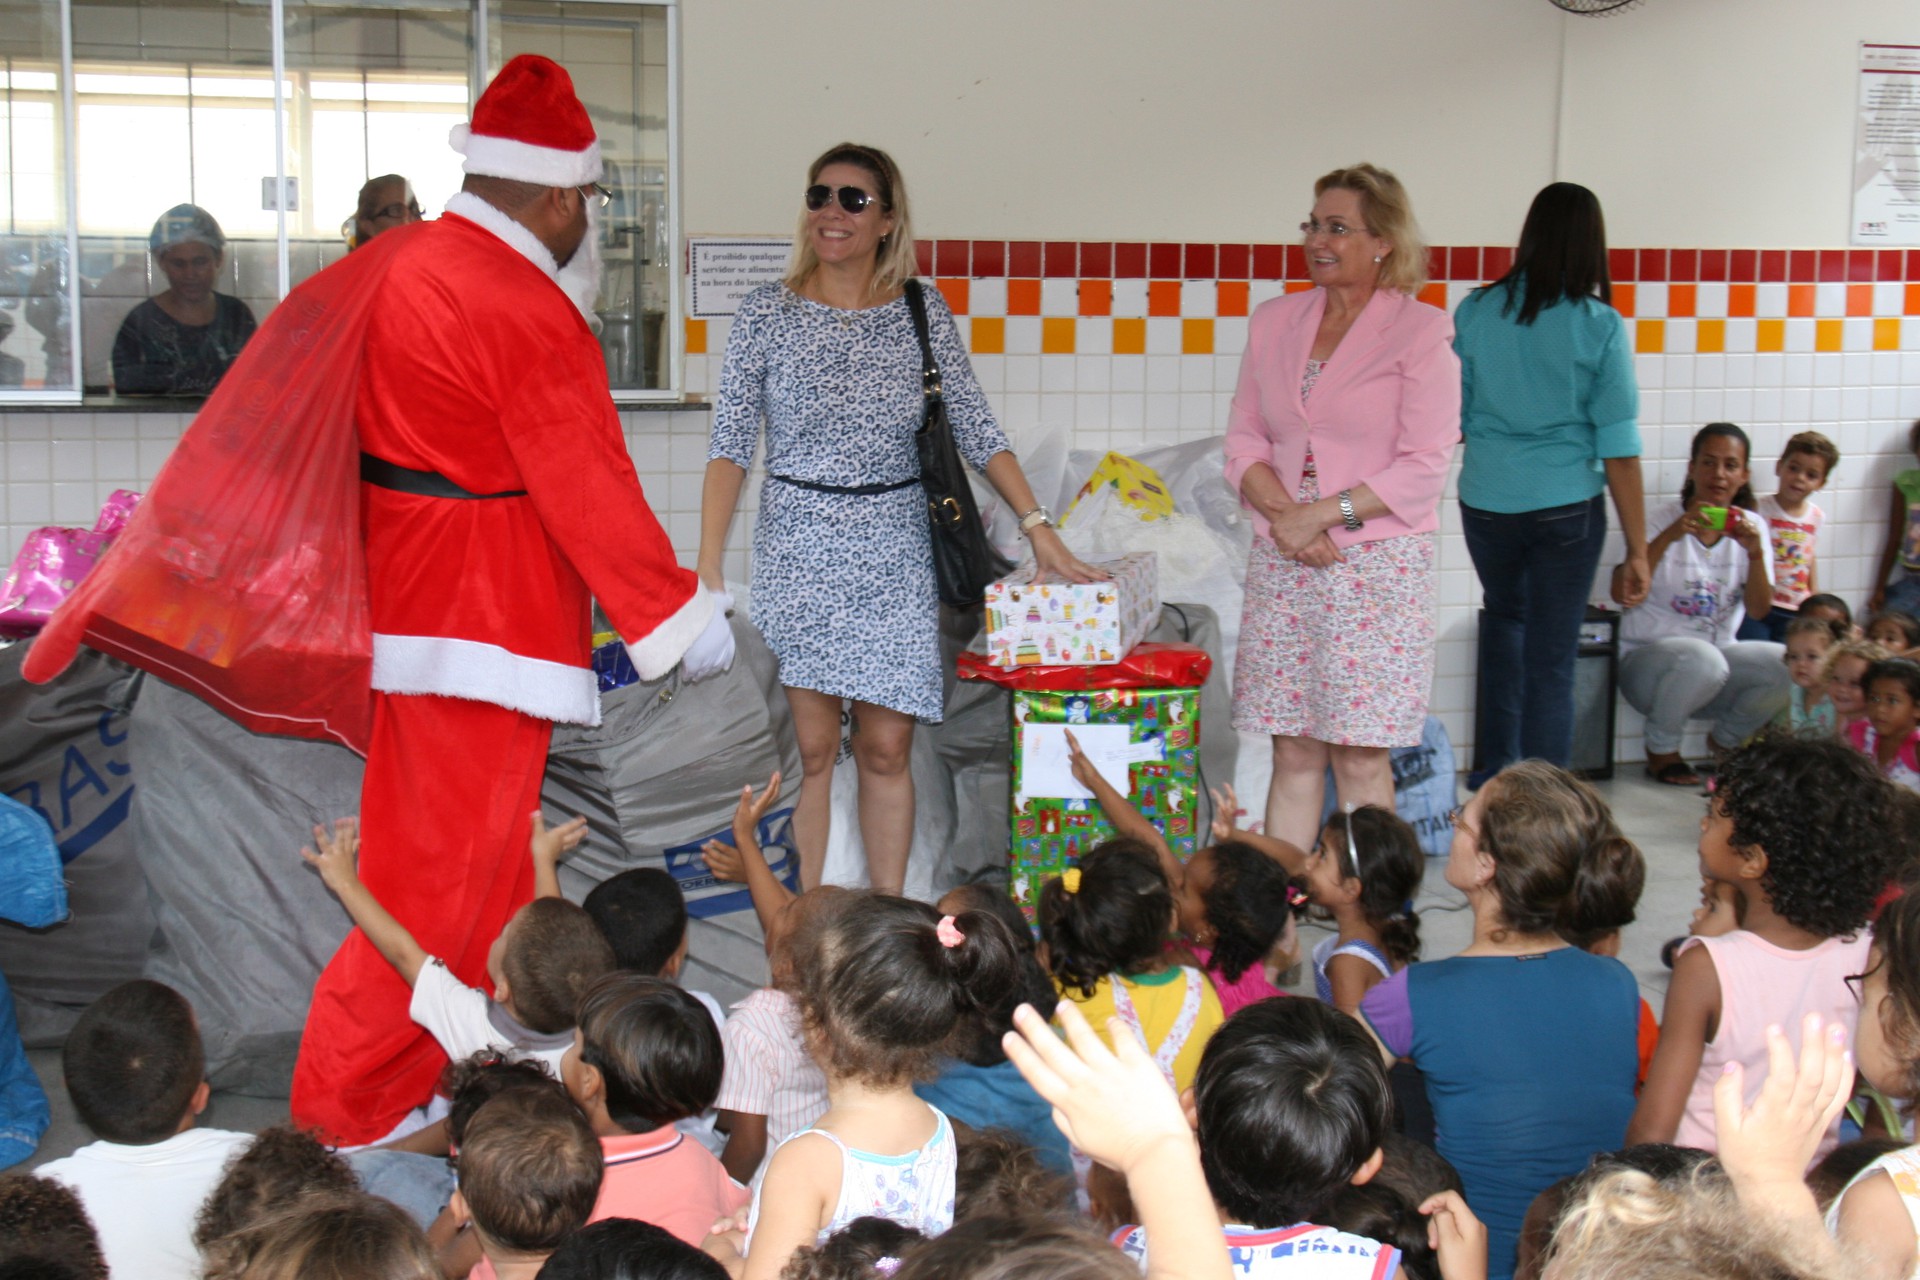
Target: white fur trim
[
  {"x": 486, "y": 673},
  {"x": 488, "y": 156},
  {"x": 655, "y": 653},
  {"x": 471, "y": 207}
]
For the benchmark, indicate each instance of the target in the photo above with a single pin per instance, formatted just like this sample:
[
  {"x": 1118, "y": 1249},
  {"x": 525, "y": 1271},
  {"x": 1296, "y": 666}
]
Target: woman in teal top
[{"x": 1549, "y": 410}]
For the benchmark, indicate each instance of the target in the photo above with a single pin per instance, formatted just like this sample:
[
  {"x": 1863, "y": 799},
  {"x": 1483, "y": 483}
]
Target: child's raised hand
[
  {"x": 724, "y": 861},
  {"x": 548, "y": 844},
  {"x": 1083, "y": 771},
  {"x": 1457, "y": 1238},
  {"x": 1226, "y": 811},
  {"x": 335, "y": 861},
  {"x": 752, "y": 808},
  {"x": 1766, "y": 1147},
  {"x": 1111, "y": 1103}
]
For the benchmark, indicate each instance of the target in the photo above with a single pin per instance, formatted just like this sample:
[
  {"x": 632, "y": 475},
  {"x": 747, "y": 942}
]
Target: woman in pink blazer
[{"x": 1342, "y": 430}]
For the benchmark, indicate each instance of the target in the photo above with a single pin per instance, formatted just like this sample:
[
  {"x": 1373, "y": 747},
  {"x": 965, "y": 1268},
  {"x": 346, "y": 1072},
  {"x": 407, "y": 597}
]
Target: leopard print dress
[{"x": 843, "y": 586}]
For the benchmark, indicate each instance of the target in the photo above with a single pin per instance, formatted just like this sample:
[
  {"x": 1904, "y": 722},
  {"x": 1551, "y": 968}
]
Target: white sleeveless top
[
  {"x": 1903, "y": 1166},
  {"x": 914, "y": 1189}
]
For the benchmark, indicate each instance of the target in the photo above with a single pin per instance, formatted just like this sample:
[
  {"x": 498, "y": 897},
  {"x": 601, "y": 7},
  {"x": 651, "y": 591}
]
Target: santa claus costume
[{"x": 497, "y": 500}]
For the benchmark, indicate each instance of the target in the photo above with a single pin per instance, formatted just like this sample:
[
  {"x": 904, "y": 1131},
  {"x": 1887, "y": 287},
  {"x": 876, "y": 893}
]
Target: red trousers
[{"x": 443, "y": 846}]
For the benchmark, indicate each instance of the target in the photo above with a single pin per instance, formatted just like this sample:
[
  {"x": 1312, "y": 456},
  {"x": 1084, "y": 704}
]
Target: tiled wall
[{"x": 1127, "y": 346}]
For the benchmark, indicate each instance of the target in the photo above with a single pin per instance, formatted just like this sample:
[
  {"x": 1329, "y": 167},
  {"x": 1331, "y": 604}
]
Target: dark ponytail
[
  {"x": 1744, "y": 497},
  {"x": 890, "y": 991},
  {"x": 1247, "y": 906},
  {"x": 1390, "y": 865},
  {"x": 1560, "y": 863},
  {"x": 1115, "y": 921}
]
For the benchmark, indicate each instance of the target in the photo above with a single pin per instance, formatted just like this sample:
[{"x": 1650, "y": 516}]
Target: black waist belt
[
  {"x": 427, "y": 484},
  {"x": 860, "y": 489}
]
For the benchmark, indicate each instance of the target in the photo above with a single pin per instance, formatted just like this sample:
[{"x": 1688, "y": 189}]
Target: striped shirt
[
  {"x": 769, "y": 1072},
  {"x": 1300, "y": 1252}
]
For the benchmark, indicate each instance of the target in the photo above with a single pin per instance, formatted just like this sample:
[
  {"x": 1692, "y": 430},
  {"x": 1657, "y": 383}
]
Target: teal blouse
[{"x": 1542, "y": 405}]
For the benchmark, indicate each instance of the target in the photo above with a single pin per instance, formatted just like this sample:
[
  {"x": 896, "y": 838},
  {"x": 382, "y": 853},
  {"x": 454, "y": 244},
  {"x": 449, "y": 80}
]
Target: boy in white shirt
[
  {"x": 136, "y": 1072},
  {"x": 1805, "y": 466},
  {"x": 543, "y": 961}
]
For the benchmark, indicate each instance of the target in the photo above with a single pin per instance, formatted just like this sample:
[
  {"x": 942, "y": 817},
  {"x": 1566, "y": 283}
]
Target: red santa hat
[{"x": 529, "y": 125}]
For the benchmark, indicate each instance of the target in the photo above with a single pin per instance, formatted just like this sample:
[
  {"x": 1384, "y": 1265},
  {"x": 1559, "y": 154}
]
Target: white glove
[{"x": 712, "y": 650}]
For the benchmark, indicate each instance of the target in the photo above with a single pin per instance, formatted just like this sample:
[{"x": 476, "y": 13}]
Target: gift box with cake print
[{"x": 1072, "y": 624}]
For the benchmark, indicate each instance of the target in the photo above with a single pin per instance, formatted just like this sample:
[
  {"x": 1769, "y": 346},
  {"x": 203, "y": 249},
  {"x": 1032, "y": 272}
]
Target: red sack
[
  {"x": 241, "y": 576},
  {"x": 1148, "y": 665}
]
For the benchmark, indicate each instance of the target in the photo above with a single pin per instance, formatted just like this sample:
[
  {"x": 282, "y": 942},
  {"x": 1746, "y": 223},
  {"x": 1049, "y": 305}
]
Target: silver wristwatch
[
  {"x": 1034, "y": 519},
  {"x": 1347, "y": 515}
]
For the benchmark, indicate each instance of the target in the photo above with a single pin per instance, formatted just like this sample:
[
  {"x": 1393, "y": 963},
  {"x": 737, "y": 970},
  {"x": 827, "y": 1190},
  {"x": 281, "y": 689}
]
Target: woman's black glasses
[{"x": 852, "y": 199}]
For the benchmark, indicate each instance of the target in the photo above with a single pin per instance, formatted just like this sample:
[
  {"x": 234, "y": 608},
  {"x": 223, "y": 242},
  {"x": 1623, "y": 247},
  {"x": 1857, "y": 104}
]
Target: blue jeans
[{"x": 1536, "y": 571}]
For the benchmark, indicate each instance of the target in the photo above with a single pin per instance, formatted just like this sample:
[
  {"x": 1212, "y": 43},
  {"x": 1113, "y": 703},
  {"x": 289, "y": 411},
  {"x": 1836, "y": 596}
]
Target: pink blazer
[{"x": 1385, "y": 412}]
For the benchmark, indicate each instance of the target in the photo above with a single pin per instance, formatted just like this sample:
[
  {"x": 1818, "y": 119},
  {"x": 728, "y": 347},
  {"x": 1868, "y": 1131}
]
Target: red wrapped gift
[{"x": 1149, "y": 664}]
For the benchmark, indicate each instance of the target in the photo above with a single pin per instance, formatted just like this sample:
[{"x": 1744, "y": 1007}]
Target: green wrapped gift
[{"x": 1152, "y": 734}]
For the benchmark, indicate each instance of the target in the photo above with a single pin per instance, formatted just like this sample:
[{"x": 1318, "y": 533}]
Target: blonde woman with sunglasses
[{"x": 842, "y": 570}]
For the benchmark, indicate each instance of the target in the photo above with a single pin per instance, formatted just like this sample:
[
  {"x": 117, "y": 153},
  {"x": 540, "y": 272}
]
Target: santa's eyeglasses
[{"x": 594, "y": 191}]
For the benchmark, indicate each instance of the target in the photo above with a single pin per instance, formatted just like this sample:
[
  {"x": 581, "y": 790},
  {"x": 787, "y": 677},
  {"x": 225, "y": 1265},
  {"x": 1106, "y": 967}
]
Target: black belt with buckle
[{"x": 427, "y": 484}]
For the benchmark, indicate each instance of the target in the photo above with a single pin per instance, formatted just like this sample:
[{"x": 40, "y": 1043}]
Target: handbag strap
[{"x": 929, "y": 367}]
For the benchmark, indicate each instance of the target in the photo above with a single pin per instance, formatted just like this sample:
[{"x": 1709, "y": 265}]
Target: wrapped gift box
[
  {"x": 1073, "y": 624},
  {"x": 1163, "y": 730}
]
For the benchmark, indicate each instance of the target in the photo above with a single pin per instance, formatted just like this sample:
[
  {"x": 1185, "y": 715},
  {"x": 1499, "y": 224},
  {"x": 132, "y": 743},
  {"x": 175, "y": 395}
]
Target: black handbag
[{"x": 964, "y": 562}]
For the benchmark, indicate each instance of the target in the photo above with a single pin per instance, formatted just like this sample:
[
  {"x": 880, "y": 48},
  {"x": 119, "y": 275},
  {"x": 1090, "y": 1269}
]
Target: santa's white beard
[{"x": 580, "y": 278}]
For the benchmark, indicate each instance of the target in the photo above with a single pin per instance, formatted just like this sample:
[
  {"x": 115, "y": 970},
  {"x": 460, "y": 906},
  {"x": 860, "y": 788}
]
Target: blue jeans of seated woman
[{"x": 1536, "y": 572}]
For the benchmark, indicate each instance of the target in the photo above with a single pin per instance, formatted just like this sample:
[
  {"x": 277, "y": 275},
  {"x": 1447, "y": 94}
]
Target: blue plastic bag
[{"x": 33, "y": 891}]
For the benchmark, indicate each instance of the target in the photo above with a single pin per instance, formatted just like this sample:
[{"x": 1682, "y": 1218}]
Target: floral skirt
[{"x": 1343, "y": 655}]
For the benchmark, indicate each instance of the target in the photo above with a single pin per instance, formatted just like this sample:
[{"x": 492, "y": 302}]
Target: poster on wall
[
  {"x": 1886, "y": 146},
  {"x": 720, "y": 272}
]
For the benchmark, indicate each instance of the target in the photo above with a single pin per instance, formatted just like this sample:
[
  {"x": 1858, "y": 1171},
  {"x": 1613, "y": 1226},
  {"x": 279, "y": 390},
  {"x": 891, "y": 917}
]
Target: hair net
[{"x": 186, "y": 224}]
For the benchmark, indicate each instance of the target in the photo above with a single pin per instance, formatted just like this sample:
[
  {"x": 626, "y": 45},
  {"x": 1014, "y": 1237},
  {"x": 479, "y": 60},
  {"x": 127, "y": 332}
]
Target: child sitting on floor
[
  {"x": 136, "y": 1072},
  {"x": 1889, "y": 734},
  {"x": 1104, "y": 926},
  {"x": 1845, "y": 668},
  {"x": 645, "y": 1056},
  {"x": 1796, "y": 826},
  {"x": 1808, "y": 709},
  {"x": 1832, "y": 610},
  {"x": 278, "y": 1167},
  {"x": 644, "y": 916},
  {"x": 880, "y": 1000},
  {"x": 1895, "y": 631},
  {"x": 548, "y": 954},
  {"x": 978, "y": 1086},
  {"x": 1876, "y": 1214},
  {"x": 1362, "y": 874},
  {"x": 530, "y": 1173},
  {"x": 327, "y": 1235},
  {"x": 45, "y": 1231},
  {"x": 1230, "y": 901},
  {"x": 1291, "y": 1105}
]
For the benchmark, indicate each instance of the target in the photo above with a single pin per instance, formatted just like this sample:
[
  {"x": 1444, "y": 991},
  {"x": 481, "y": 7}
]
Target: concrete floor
[{"x": 1663, "y": 821}]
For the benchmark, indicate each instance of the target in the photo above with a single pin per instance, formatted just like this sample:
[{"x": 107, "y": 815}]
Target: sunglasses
[{"x": 852, "y": 199}]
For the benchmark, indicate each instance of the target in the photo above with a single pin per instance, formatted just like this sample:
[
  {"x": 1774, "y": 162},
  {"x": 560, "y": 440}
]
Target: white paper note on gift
[{"x": 1046, "y": 767}]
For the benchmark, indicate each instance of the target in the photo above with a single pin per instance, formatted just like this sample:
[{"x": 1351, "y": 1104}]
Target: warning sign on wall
[{"x": 1886, "y": 146}]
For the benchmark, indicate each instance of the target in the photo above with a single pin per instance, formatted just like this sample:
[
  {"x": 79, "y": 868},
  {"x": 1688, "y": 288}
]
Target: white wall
[{"x": 1699, "y": 122}]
